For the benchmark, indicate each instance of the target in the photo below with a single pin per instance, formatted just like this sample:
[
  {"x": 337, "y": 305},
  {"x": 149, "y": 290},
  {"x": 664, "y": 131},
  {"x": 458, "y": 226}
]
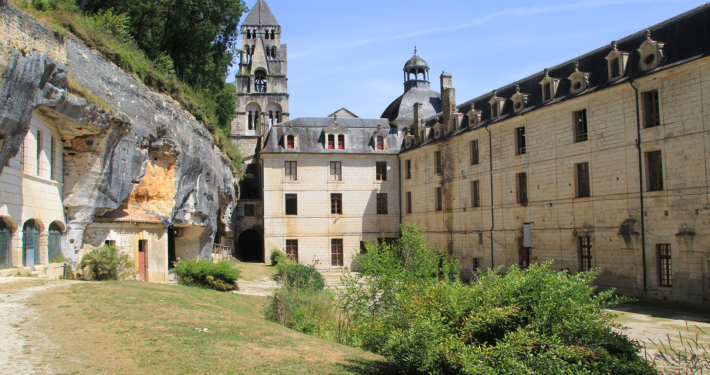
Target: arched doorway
[
  {"x": 54, "y": 242},
  {"x": 30, "y": 243},
  {"x": 250, "y": 246},
  {"x": 6, "y": 229}
]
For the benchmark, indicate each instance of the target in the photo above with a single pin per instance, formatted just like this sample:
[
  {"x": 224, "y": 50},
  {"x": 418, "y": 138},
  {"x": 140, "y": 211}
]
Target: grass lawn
[
  {"x": 255, "y": 271},
  {"x": 135, "y": 327}
]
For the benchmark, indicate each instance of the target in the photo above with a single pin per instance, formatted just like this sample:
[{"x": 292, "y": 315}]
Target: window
[
  {"x": 480, "y": 238},
  {"x": 438, "y": 202},
  {"x": 382, "y": 203},
  {"x": 290, "y": 141},
  {"x": 336, "y": 204},
  {"x": 474, "y": 152},
  {"x": 522, "y": 187},
  {"x": 291, "y": 204},
  {"x": 380, "y": 143},
  {"x": 520, "y": 141},
  {"x": 248, "y": 210},
  {"x": 331, "y": 142},
  {"x": 336, "y": 252},
  {"x": 547, "y": 91},
  {"x": 475, "y": 194},
  {"x": 381, "y": 170},
  {"x": 664, "y": 265},
  {"x": 39, "y": 151},
  {"x": 409, "y": 202},
  {"x": 111, "y": 243},
  {"x": 408, "y": 169},
  {"x": 475, "y": 263},
  {"x": 582, "y": 180},
  {"x": 260, "y": 81},
  {"x": 655, "y": 171},
  {"x": 585, "y": 251},
  {"x": 341, "y": 142},
  {"x": 335, "y": 171},
  {"x": 494, "y": 110},
  {"x": 651, "y": 110},
  {"x": 292, "y": 250},
  {"x": 615, "y": 68},
  {"x": 52, "y": 159},
  {"x": 437, "y": 161},
  {"x": 580, "y": 126},
  {"x": 290, "y": 170}
]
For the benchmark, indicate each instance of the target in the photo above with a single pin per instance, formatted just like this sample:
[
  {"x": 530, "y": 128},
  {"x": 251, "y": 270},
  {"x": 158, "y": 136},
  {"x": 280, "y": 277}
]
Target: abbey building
[{"x": 597, "y": 162}]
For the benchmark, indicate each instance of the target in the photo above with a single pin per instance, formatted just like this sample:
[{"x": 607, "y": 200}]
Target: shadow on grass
[
  {"x": 369, "y": 367},
  {"x": 667, "y": 310}
]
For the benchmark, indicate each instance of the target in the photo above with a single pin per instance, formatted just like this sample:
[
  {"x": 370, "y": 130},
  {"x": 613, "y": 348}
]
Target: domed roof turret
[{"x": 415, "y": 62}]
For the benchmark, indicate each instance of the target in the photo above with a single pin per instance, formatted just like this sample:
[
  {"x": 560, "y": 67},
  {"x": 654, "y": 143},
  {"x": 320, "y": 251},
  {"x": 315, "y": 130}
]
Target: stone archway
[{"x": 251, "y": 247}]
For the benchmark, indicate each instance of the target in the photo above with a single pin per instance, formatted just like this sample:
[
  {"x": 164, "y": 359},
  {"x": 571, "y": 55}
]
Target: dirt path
[{"x": 21, "y": 346}]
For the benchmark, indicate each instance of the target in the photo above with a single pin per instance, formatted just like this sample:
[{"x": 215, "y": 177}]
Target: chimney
[
  {"x": 418, "y": 118},
  {"x": 445, "y": 80}
]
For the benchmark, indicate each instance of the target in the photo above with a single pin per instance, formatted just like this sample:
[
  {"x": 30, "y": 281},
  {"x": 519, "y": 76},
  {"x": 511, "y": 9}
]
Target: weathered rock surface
[{"x": 149, "y": 153}]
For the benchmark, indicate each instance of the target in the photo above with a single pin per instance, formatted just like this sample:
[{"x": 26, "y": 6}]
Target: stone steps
[{"x": 52, "y": 271}]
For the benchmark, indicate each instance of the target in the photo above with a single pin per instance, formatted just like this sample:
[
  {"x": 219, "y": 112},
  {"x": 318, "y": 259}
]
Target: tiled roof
[{"x": 125, "y": 215}]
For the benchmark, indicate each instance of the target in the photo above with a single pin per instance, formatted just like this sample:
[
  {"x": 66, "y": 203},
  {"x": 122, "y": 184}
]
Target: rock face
[{"x": 145, "y": 152}]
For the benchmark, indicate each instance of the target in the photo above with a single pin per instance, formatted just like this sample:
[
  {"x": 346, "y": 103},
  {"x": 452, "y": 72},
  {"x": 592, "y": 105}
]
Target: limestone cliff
[{"x": 140, "y": 148}]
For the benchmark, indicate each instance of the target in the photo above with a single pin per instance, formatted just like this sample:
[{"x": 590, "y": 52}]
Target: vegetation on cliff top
[{"x": 182, "y": 48}]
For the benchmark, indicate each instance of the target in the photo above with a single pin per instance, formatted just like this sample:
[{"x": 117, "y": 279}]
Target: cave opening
[{"x": 250, "y": 246}]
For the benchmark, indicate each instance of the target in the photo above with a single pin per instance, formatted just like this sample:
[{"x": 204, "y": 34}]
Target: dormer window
[
  {"x": 519, "y": 100},
  {"x": 474, "y": 116},
  {"x": 549, "y": 86},
  {"x": 617, "y": 62},
  {"x": 331, "y": 142},
  {"x": 290, "y": 141},
  {"x": 651, "y": 53},
  {"x": 380, "y": 143},
  {"x": 496, "y": 105},
  {"x": 379, "y": 139},
  {"x": 341, "y": 142},
  {"x": 335, "y": 136},
  {"x": 580, "y": 80}
]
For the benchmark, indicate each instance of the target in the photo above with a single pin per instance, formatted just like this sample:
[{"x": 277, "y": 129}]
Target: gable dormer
[
  {"x": 289, "y": 139},
  {"x": 336, "y": 136},
  {"x": 651, "y": 53},
  {"x": 496, "y": 103},
  {"x": 616, "y": 61},
  {"x": 474, "y": 116},
  {"x": 519, "y": 99},
  {"x": 408, "y": 138},
  {"x": 379, "y": 139},
  {"x": 580, "y": 80},
  {"x": 549, "y": 86}
]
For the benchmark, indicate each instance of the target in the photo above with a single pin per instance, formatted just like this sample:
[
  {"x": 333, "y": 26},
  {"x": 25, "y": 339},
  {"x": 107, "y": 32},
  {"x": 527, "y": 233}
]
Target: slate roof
[
  {"x": 686, "y": 38},
  {"x": 311, "y": 139},
  {"x": 415, "y": 62},
  {"x": 345, "y": 110},
  {"x": 260, "y": 15},
  {"x": 125, "y": 215},
  {"x": 402, "y": 108}
]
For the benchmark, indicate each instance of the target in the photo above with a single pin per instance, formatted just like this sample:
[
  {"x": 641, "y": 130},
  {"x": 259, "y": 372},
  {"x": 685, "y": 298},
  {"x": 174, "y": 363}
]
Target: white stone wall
[
  {"x": 315, "y": 226},
  {"x": 27, "y": 192},
  {"x": 553, "y": 208}
]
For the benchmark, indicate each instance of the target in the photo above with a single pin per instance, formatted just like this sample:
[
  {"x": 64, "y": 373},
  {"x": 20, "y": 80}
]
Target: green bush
[
  {"x": 207, "y": 274},
  {"x": 309, "y": 311},
  {"x": 277, "y": 257},
  {"x": 108, "y": 263},
  {"x": 301, "y": 277}
]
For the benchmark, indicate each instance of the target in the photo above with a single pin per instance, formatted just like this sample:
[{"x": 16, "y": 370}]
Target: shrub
[
  {"x": 109, "y": 263},
  {"x": 207, "y": 274},
  {"x": 59, "y": 258},
  {"x": 277, "y": 257},
  {"x": 308, "y": 311},
  {"x": 302, "y": 277}
]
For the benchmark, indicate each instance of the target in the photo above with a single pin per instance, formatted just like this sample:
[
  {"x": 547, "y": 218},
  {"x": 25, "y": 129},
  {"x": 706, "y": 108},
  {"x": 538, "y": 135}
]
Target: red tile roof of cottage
[{"x": 125, "y": 215}]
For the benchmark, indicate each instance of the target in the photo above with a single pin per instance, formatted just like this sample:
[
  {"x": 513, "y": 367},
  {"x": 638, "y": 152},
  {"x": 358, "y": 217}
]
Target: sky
[{"x": 351, "y": 53}]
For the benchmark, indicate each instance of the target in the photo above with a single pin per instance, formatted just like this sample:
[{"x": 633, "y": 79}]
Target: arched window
[
  {"x": 331, "y": 142},
  {"x": 341, "y": 142},
  {"x": 290, "y": 141},
  {"x": 260, "y": 81},
  {"x": 380, "y": 143},
  {"x": 251, "y": 121},
  {"x": 272, "y": 34},
  {"x": 494, "y": 110},
  {"x": 278, "y": 117},
  {"x": 271, "y": 118},
  {"x": 248, "y": 34},
  {"x": 273, "y": 51}
]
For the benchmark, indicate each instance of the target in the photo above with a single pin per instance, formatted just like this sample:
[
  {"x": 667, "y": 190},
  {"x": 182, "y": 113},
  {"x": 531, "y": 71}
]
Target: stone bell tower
[{"x": 262, "y": 94}]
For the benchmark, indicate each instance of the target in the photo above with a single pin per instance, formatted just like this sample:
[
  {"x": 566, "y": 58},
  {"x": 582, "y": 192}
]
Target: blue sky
[{"x": 351, "y": 53}]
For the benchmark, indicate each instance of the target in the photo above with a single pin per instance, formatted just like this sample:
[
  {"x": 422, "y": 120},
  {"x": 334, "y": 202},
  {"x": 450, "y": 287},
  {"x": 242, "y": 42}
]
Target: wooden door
[
  {"x": 141, "y": 260},
  {"x": 336, "y": 255}
]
